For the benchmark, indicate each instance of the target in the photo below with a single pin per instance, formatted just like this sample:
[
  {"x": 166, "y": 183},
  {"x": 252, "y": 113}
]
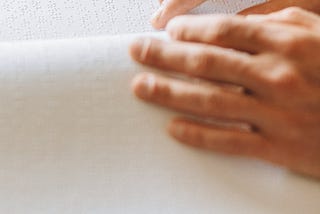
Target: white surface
[
  {"x": 74, "y": 140},
  {"x": 43, "y": 19}
]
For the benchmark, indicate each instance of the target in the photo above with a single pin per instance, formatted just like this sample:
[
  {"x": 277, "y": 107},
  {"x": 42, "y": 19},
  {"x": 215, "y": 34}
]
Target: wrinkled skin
[
  {"x": 273, "y": 63},
  {"x": 171, "y": 8}
]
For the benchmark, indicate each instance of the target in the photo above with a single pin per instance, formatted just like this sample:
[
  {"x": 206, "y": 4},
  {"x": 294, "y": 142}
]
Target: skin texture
[
  {"x": 271, "y": 61},
  {"x": 171, "y": 8}
]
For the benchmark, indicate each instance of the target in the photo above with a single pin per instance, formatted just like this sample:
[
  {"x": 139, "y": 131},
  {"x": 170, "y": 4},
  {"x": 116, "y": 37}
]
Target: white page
[
  {"x": 74, "y": 140},
  {"x": 48, "y": 19}
]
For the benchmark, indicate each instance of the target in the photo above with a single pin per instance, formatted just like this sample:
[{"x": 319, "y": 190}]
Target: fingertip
[
  {"x": 160, "y": 18},
  {"x": 143, "y": 85},
  {"x": 136, "y": 48},
  {"x": 170, "y": 9},
  {"x": 157, "y": 25},
  {"x": 157, "y": 21},
  {"x": 139, "y": 49},
  {"x": 164, "y": 15},
  {"x": 177, "y": 129},
  {"x": 135, "y": 83}
]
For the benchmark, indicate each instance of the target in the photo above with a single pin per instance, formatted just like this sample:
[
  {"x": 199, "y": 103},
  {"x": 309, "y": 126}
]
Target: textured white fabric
[
  {"x": 74, "y": 140},
  {"x": 43, "y": 19}
]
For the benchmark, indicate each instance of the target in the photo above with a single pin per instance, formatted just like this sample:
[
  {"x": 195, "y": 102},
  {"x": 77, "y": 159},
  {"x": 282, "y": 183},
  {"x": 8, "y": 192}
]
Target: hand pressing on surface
[
  {"x": 274, "y": 58},
  {"x": 171, "y": 8}
]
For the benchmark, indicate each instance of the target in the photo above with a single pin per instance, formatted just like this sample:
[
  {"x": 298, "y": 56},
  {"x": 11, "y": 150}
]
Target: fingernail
[
  {"x": 145, "y": 86},
  {"x": 136, "y": 48},
  {"x": 177, "y": 130},
  {"x": 139, "y": 48},
  {"x": 156, "y": 17}
]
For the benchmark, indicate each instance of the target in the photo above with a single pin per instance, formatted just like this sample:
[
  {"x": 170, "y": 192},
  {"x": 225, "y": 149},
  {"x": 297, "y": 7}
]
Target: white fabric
[
  {"x": 43, "y": 19},
  {"x": 74, "y": 140}
]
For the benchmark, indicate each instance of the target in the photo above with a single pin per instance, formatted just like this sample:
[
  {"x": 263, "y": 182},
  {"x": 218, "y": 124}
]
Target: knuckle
[
  {"x": 254, "y": 33},
  {"x": 214, "y": 102},
  {"x": 221, "y": 28},
  {"x": 294, "y": 44},
  {"x": 284, "y": 80},
  {"x": 199, "y": 62},
  {"x": 245, "y": 67},
  {"x": 292, "y": 13},
  {"x": 224, "y": 27}
]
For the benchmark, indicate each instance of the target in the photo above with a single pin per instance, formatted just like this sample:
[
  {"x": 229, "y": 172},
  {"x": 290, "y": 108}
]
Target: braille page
[
  {"x": 51, "y": 19},
  {"x": 74, "y": 140}
]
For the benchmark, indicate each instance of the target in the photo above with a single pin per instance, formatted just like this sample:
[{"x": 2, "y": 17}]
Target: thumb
[{"x": 171, "y": 8}]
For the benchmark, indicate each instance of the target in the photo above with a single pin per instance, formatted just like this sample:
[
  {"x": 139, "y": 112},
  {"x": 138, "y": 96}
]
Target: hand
[
  {"x": 171, "y": 8},
  {"x": 275, "y": 5},
  {"x": 275, "y": 58}
]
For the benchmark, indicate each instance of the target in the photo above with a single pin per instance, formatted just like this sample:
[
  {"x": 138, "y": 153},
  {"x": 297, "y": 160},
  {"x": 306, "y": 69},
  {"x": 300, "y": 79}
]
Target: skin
[
  {"x": 272, "y": 65},
  {"x": 172, "y": 8}
]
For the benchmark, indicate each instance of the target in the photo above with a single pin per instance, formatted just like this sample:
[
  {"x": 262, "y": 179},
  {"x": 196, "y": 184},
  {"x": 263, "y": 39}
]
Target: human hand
[
  {"x": 171, "y": 8},
  {"x": 274, "y": 57}
]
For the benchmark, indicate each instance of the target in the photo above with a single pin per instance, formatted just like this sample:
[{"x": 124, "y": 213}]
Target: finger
[
  {"x": 226, "y": 31},
  {"x": 204, "y": 100},
  {"x": 293, "y": 15},
  {"x": 218, "y": 139},
  {"x": 212, "y": 63},
  {"x": 170, "y": 9}
]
